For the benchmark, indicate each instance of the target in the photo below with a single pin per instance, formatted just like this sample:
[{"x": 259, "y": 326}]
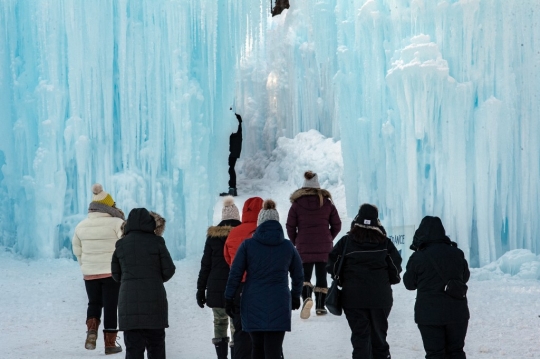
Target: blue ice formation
[{"x": 436, "y": 105}]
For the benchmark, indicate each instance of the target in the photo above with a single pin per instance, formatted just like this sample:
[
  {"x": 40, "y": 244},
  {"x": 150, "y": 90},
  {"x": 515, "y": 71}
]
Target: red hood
[{"x": 251, "y": 209}]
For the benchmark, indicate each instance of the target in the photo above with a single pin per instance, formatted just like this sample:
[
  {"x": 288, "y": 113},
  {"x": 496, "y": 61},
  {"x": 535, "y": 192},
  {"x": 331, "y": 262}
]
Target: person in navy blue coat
[{"x": 266, "y": 304}]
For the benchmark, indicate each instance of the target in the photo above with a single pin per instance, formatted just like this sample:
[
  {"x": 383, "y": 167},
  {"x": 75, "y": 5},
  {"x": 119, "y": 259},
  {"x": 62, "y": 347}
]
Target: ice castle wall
[{"x": 435, "y": 103}]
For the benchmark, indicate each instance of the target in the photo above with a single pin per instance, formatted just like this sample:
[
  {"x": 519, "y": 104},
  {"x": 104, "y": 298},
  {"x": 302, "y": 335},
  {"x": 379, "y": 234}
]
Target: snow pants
[
  {"x": 369, "y": 328},
  {"x": 267, "y": 345},
  {"x": 444, "y": 341},
  {"x": 137, "y": 340},
  {"x": 222, "y": 323},
  {"x": 103, "y": 294}
]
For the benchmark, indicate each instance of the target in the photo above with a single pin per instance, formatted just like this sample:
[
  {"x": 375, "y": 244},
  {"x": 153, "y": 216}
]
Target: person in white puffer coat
[{"x": 93, "y": 244}]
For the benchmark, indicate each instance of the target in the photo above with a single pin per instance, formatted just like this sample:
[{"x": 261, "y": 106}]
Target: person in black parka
[
  {"x": 371, "y": 265},
  {"x": 214, "y": 274},
  {"x": 442, "y": 319},
  {"x": 142, "y": 263},
  {"x": 267, "y": 258}
]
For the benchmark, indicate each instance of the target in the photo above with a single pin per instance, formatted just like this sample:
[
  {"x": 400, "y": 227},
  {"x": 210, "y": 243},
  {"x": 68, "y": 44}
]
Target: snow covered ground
[{"x": 43, "y": 302}]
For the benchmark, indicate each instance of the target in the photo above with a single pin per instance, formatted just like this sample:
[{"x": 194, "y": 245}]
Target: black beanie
[{"x": 368, "y": 217}]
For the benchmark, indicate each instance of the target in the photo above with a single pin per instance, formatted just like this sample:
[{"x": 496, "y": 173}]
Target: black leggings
[
  {"x": 320, "y": 273},
  {"x": 266, "y": 345},
  {"x": 103, "y": 294}
]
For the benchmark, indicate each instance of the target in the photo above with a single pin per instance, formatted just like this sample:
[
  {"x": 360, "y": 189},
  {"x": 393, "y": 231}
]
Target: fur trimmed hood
[
  {"x": 304, "y": 191},
  {"x": 159, "y": 221},
  {"x": 218, "y": 231}
]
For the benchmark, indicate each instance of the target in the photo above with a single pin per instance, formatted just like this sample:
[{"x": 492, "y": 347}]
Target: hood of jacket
[
  {"x": 140, "y": 219},
  {"x": 311, "y": 198},
  {"x": 251, "y": 209},
  {"x": 430, "y": 230},
  {"x": 269, "y": 233},
  {"x": 219, "y": 231}
]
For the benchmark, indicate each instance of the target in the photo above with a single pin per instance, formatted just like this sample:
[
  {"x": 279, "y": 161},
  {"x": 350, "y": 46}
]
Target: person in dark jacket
[
  {"x": 142, "y": 263},
  {"x": 235, "y": 147},
  {"x": 266, "y": 301},
  {"x": 214, "y": 274},
  {"x": 237, "y": 235},
  {"x": 280, "y": 6},
  {"x": 371, "y": 265},
  {"x": 441, "y": 319},
  {"x": 312, "y": 224}
]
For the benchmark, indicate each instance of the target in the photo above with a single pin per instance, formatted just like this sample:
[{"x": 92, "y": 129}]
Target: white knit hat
[
  {"x": 311, "y": 180},
  {"x": 229, "y": 211},
  {"x": 268, "y": 212}
]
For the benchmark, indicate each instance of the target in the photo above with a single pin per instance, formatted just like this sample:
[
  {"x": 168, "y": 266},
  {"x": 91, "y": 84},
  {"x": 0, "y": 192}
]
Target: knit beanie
[
  {"x": 368, "y": 217},
  {"x": 311, "y": 180},
  {"x": 100, "y": 196},
  {"x": 268, "y": 212},
  {"x": 229, "y": 211}
]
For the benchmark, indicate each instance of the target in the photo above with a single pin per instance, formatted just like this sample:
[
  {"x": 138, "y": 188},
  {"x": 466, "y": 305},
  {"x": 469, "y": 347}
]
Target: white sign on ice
[{"x": 402, "y": 238}]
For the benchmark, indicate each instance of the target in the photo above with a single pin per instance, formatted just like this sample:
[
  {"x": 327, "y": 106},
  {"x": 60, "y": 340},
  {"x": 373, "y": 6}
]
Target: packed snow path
[{"x": 43, "y": 308}]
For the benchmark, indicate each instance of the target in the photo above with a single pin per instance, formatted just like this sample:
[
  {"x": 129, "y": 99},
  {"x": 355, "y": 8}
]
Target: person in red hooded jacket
[{"x": 250, "y": 213}]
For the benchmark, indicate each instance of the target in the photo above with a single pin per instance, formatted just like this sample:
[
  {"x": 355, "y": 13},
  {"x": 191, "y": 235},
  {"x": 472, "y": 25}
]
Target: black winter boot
[
  {"x": 320, "y": 297},
  {"x": 305, "y": 312},
  {"x": 232, "y": 192},
  {"x": 222, "y": 347}
]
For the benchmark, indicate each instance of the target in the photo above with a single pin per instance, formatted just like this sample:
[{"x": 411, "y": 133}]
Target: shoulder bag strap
[{"x": 341, "y": 260}]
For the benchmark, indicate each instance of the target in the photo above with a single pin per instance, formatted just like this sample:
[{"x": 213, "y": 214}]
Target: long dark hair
[{"x": 365, "y": 235}]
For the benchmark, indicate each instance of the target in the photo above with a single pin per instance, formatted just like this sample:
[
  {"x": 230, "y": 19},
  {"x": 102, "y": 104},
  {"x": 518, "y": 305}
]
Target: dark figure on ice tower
[
  {"x": 280, "y": 6},
  {"x": 235, "y": 147}
]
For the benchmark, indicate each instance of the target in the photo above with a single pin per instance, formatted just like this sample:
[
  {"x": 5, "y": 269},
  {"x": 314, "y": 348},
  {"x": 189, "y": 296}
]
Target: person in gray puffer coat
[{"x": 142, "y": 263}]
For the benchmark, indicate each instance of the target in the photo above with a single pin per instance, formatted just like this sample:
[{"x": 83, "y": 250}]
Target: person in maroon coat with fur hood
[{"x": 312, "y": 224}]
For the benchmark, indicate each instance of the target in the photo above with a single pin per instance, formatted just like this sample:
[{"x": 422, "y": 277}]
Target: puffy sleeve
[
  {"x": 292, "y": 223},
  {"x": 297, "y": 274},
  {"x": 393, "y": 261},
  {"x": 333, "y": 257},
  {"x": 76, "y": 245},
  {"x": 410, "y": 278},
  {"x": 116, "y": 269},
  {"x": 238, "y": 268},
  {"x": 206, "y": 266},
  {"x": 335, "y": 222},
  {"x": 167, "y": 266}
]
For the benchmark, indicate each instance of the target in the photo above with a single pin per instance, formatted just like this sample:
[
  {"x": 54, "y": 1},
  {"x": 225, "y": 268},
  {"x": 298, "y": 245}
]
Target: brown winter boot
[
  {"x": 111, "y": 347},
  {"x": 92, "y": 325}
]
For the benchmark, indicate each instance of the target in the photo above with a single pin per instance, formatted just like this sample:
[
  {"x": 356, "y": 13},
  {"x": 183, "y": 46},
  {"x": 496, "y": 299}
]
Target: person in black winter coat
[
  {"x": 371, "y": 265},
  {"x": 442, "y": 319},
  {"x": 235, "y": 147},
  {"x": 142, "y": 263},
  {"x": 266, "y": 300},
  {"x": 214, "y": 274}
]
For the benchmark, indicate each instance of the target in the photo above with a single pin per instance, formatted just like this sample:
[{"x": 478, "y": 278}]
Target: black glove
[
  {"x": 201, "y": 297},
  {"x": 238, "y": 117},
  {"x": 295, "y": 303},
  {"x": 229, "y": 307}
]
